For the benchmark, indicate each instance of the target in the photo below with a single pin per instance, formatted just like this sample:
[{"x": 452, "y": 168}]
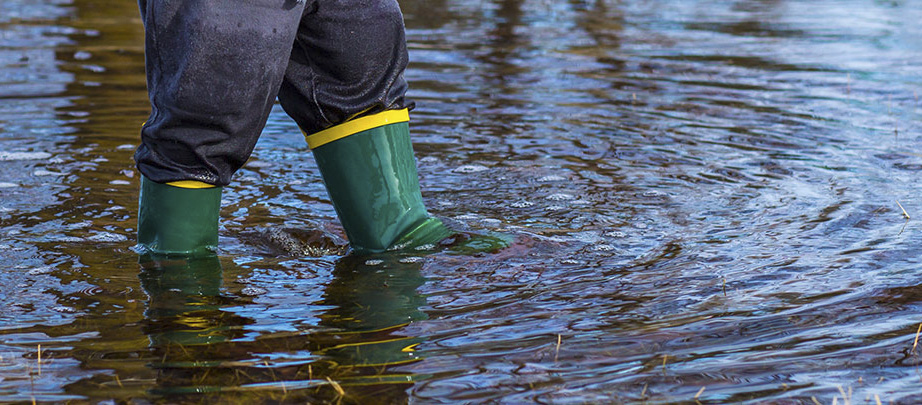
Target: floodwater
[{"x": 707, "y": 200}]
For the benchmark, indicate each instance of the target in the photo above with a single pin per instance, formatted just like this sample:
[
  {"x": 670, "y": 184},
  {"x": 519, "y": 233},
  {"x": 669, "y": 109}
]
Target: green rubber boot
[
  {"x": 369, "y": 171},
  {"x": 178, "y": 219}
]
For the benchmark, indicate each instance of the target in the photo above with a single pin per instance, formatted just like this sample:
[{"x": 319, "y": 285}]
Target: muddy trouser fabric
[{"x": 215, "y": 68}]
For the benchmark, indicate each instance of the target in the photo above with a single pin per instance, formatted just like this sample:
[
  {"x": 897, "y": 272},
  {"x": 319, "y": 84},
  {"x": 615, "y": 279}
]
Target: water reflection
[{"x": 198, "y": 345}]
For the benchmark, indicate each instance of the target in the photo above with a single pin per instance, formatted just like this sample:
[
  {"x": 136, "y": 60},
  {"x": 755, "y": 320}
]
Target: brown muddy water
[{"x": 706, "y": 199}]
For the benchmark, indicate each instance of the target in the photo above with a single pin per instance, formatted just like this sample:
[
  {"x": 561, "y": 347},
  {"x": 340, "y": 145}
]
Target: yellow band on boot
[
  {"x": 189, "y": 184},
  {"x": 355, "y": 126}
]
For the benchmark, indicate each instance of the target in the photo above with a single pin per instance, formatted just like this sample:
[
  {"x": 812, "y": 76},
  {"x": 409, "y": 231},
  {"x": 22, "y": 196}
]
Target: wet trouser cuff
[{"x": 178, "y": 218}]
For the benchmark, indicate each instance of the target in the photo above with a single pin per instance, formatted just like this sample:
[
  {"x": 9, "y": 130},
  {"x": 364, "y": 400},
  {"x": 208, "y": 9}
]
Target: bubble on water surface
[
  {"x": 7, "y": 156},
  {"x": 253, "y": 291},
  {"x": 561, "y": 197},
  {"x": 120, "y": 182},
  {"x": 64, "y": 309},
  {"x": 470, "y": 169},
  {"x": 43, "y": 172},
  {"x": 65, "y": 239},
  {"x": 373, "y": 262},
  {"x": 571, "y": 261},
  {"x": 82, "y": 55},
  {"x": 411, "y": 259},
  {"x": 616, "y": 234},
  {"x": 8, "y": 185},
  {"x": 41, "y": 270},
  {"x": 107, "y": 237},
  {"x": 550, "y": 178},
  {"x": 427, "y": 246},
  {"x": 521, "y": 204},
  {"x": 125, "y": 147},
  {"x": 603, "y": 248}
]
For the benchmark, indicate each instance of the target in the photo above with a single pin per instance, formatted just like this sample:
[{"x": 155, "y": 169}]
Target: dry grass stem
[
  {"x": 557, "y": 351},
  {"x": 905, "y": 214},
  {"x": 916, "y": 342},
  {"x": 337, "y": 387},
  {"x": 699, "y": 393},
  {"x": 877, "y": 399},
  {"x": 815, "y": 401},
  {"x": 846, "y": 398},
  {"x": 39, "y": 361}
]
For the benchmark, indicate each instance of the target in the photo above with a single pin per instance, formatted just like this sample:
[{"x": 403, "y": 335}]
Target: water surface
[{"x": 707, "y": 199}]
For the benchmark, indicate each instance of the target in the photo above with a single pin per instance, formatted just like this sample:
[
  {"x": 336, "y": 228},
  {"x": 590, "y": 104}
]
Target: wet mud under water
[{"x": 707, "y": 200}]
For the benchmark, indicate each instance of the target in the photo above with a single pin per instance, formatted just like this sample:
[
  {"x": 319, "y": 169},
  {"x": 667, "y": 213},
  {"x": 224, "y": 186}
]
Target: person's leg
[
  {"x": 345, "y": 88},
  {"x": 213, "y": 71}
]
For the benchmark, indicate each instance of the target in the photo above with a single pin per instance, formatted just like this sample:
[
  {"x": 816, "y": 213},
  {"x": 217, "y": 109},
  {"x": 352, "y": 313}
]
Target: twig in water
[
  {"x": 557, "y": 352},
  {"x": 916, "y": 342},
  {"x": 846, "y": 398},
  {"x": 643, "y": 393},
  {"x": 337, "y": 387},
  {"x": 877, "y": 399},
  {"x": 905, "y": 214},
  {"x": 664, "y": 363},
  {"x": 699, "y": 393},
  {"x": 815, "y": 401},
  {"x": 39, "y": 360}
]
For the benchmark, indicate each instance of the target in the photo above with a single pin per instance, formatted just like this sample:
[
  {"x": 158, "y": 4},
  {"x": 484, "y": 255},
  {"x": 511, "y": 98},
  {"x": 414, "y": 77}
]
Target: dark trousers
[{"x": 215, "y": 67}]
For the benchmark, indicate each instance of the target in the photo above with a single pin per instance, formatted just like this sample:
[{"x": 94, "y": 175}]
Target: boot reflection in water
[
  {"x": 184, "y": 321},
  {"x": 372, "y": 304},
  {"x": 214, "y": 71},
  {"x": 362, "y": 343}
]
